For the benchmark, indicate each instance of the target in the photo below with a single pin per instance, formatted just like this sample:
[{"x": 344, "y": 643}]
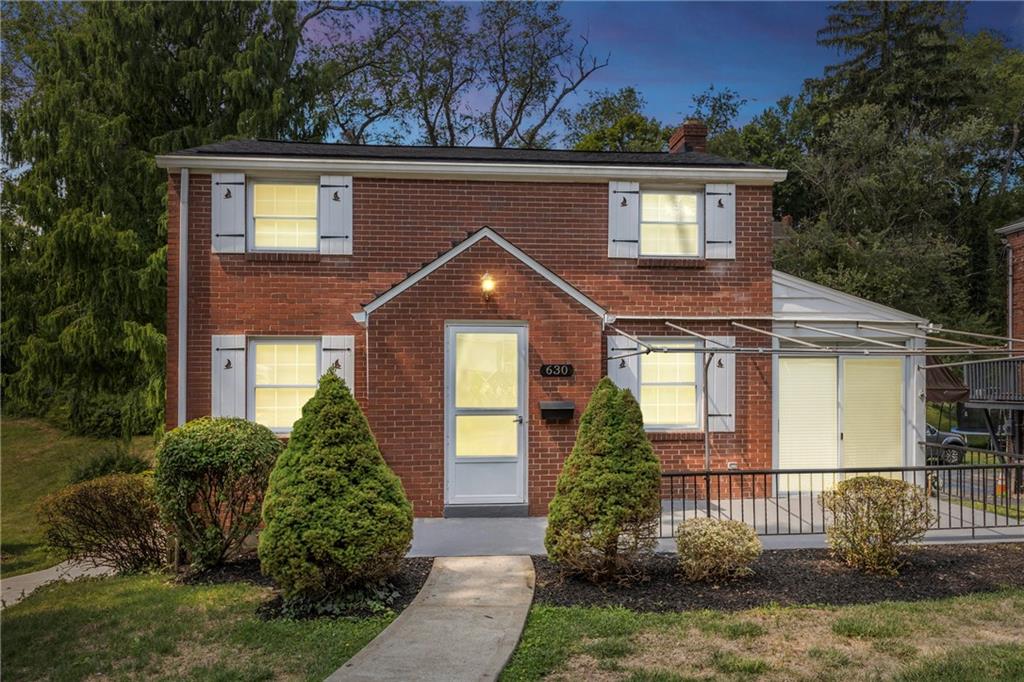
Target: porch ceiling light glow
[{"x": 487, "y": 285}]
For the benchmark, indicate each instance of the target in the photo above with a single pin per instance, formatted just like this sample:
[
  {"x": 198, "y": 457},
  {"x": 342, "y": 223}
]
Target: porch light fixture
[{"x": 487, "y": 285}]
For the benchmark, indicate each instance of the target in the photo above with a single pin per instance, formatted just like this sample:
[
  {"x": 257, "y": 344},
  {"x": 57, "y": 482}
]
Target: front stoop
[{"x": 463, "y": 625}]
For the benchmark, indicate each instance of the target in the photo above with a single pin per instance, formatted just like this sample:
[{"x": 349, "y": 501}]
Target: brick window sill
[
  {"x": 674, "y": 436},
  {"x": 260, "y": 257},
  {"x": 681, "y": 263}
]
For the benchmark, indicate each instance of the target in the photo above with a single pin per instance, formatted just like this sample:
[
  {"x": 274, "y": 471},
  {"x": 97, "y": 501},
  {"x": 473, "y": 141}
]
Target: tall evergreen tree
[{"x": 101, "y": 89}]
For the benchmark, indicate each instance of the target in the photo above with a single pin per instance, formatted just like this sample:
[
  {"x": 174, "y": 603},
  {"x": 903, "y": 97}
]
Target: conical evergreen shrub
[
  {"x": 335, "y": 514},
  {"x": 603, "y": 519}
]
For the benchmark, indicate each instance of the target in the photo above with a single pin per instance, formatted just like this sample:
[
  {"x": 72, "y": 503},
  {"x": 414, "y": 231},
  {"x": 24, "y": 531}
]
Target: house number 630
[{"x": 564, "y": 370}]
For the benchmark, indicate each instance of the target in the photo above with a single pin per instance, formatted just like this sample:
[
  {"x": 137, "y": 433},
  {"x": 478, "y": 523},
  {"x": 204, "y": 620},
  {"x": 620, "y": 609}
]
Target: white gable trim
[
  {"x": 483, "y": 233},
  {"x": 854, "y": 307}
]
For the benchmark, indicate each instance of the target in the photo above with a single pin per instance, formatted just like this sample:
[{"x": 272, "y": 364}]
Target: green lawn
[
  {"x": 979, "y": 637},
  {"x": 36, "y": 459},
  {"x": 146, "y": 627}
]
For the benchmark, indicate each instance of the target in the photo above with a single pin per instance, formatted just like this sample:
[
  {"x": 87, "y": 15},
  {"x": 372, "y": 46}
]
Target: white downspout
[{"x": 182, "y": 294}]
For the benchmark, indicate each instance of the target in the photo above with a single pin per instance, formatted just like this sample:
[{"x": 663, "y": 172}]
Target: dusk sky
[{"x": 672, "y": 50}]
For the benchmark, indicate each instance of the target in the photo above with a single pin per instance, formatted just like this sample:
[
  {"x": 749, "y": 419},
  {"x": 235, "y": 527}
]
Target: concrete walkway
[
  {"x": 463, "y": 625},
  {"x": 20, "y": 586},
  {"x": 499, "y": 536}
]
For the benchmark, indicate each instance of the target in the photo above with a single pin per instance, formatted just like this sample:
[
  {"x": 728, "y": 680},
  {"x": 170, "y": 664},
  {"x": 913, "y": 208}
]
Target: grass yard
[
  {"x": 976, "y": 637},
  {"x": 36, "y": 459},
  {"x": 146, "y": 627}
]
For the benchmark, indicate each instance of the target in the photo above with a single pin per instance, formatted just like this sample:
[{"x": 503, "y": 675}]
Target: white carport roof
[{"x": 798, "y": 300}]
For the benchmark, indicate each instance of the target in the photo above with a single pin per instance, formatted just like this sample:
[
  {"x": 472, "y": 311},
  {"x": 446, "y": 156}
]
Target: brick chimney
[{"x": 692, "y": 136}]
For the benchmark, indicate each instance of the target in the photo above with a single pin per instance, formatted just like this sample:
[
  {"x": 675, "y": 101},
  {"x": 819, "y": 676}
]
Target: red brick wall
[
  {"x": 406, "y": 336},
  {"x": 401, "y": 224}
]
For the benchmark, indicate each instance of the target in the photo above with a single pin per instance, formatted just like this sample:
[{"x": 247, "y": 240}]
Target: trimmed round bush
[
  {"x": 716, "y": 549},
  {"x": 602, "y": 522},
  {"x": 210, "y": 477},
  {"x": 874, "y": 521},
  {"x": 111, "y": 521},
  {"x": 336, "y": 516}
]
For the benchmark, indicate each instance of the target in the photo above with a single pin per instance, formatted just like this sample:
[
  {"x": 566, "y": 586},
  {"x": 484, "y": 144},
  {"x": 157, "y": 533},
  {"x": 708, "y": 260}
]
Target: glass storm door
[{"x": 485, "y": 414}]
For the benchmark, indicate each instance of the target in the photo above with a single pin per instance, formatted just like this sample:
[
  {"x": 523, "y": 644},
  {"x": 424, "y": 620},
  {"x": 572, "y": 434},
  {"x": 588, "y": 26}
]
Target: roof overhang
[
  {"x": 534, "y": 172},
  {"x": 1011, "y": 228},
  {"x": 481, "y": 234}
]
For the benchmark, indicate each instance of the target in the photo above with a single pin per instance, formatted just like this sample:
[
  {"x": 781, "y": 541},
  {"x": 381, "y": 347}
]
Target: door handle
[{"x": 518, "y": 420}]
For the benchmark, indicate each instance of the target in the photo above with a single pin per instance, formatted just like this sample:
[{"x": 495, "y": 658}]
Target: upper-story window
[
  {"x": 669, "y": 386},
  {"x": 670, "y": 223},
  {"x": 306, "y": 215},
  {"x": 283, "y": 216}
]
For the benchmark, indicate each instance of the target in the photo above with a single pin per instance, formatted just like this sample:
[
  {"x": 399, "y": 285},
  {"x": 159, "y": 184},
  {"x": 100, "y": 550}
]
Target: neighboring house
[{"x": 472, "y": 298}]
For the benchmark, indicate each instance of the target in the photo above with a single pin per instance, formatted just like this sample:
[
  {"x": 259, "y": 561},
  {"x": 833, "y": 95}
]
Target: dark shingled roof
[{"x": 480, "y": 154}]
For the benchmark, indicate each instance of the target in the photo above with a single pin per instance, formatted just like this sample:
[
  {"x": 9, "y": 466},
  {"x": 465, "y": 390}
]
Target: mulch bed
[
  {"x": 796, "y": 576},
  {"x": 407, "y": 582}
]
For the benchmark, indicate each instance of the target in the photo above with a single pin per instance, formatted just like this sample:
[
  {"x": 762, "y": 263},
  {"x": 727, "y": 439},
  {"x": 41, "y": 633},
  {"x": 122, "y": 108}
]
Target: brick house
[{"x": 472, "y": 298}]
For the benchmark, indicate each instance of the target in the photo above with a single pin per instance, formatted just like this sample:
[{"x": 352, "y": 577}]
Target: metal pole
[
  {"x": 897, "y": 332},
  {"x": 790, "y": 339},
  {"x": 707, "y": 417}
]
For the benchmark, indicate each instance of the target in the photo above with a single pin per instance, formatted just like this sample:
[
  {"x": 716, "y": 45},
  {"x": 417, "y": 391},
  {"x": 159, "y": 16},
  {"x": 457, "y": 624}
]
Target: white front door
[{"x": 485, "y": 414}]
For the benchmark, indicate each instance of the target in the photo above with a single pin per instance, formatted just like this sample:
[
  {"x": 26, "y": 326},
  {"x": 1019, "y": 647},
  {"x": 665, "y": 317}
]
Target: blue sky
[{"x": 672, "y": 50}]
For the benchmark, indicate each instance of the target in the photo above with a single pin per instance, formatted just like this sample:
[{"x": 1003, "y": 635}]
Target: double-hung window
[
  {"x": 671, "y": 223},
  {"x": 283, "y": 216},
  {"x": 670, "y": 386},
  {"x": 284, "y": 374}
]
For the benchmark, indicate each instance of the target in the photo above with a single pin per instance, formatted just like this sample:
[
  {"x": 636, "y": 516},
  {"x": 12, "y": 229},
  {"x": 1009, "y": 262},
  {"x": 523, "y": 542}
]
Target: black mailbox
[{"x": 557, "y": 410}]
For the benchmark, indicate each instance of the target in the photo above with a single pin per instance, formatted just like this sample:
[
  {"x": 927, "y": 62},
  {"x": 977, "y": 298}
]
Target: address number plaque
[{"x": 563, "y": 370}]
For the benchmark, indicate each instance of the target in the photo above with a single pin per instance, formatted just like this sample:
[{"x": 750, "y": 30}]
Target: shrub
[
  {"x": 210, "y": 478},
  {"x": 603, "y": 519},
  {"x": 714, "y": 549},
  {"x": 874, "y": 519},
  {"x": 336, "y": 516},
  {"x": 117, "y": 460},
  {"x": 112, "y": 521}
]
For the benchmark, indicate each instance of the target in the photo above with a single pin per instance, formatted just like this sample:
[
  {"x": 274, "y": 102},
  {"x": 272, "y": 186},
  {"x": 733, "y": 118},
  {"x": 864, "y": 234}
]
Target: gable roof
[
  {"x": 800, "y": 300},
  {"x": 481, "y": 234}
]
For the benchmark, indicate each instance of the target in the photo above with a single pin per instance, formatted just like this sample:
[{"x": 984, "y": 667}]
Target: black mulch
[
  {"x": 406, "y": 584},
  {"x": 796, "y": 576}
]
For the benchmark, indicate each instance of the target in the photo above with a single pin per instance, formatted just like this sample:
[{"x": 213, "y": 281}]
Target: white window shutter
[
  {"x": 722, "y": 387},
  {"x": 337, "y": 354},
  {"x": 335, "y": 212},
  {"x": 720, "y": 221},
  {"x": 228, "y": 374},
  {"x": 624, "y": 363},
  {"x": 623, "y": 219},
  {"x": 227, "y": 206}
]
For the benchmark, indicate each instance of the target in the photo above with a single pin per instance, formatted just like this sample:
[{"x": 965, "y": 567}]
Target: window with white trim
[
  {"x": 283, "y": 377},
  {"x": 670, "y": 386},
  {"x": 283, "y": 216},
  {"x": 671, "y": 223}
]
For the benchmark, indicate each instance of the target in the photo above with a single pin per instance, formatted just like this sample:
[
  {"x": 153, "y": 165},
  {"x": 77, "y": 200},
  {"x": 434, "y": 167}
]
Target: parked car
[{"x": 944, "y": 447}]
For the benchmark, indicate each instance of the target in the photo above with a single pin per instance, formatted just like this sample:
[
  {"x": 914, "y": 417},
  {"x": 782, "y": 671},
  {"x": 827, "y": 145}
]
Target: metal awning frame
[{"x": 879, "y": 348}]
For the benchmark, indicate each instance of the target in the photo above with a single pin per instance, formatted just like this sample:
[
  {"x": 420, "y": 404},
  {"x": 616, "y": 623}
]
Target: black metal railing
[
  {"x": 966, "y": 496},
  {"x": 1001, "y": 381}
]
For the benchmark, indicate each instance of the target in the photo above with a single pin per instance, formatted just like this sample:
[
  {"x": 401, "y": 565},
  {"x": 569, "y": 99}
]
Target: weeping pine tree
[{"x": 91, "y": 93}]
